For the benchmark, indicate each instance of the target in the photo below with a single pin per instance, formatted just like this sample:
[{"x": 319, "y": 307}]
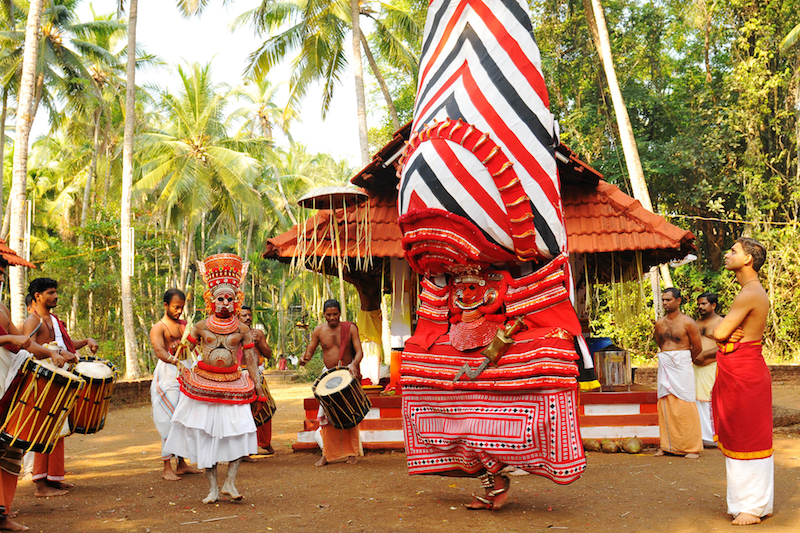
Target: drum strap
[{"x": 344, "y": 342}]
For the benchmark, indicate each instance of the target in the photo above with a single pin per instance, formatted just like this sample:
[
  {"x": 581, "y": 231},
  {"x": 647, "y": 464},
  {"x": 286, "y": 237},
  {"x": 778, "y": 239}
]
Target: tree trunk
[
  {"x": 358, "y": 71},
  {"x": 126, "y": 251},
  {"x": 597, "y": 23},
  {"x": 599, "y": 30},
  {"x": 2, "y": 148},
  {"x": 6, "y": 220},
  {"x": 87, "y": 190},
  {"x": 185, "y": 251},
  {"x": 283, "y": 195},
  {"x": 382, "y": 83},
  {"x": 20, "y": 172}
]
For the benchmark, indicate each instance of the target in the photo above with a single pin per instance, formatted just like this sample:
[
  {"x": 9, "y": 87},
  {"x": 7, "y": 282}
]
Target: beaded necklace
[{"x": 222, "y": 326}]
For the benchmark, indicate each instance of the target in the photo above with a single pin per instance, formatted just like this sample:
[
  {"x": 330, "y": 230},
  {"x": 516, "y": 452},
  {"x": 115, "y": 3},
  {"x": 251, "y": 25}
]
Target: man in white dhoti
[
  {"x": 705, "y": 364},
  {"x": 679, "y": 341},
  {"x": 213, "y": 422},
  {"x": 165, "y": 336}
]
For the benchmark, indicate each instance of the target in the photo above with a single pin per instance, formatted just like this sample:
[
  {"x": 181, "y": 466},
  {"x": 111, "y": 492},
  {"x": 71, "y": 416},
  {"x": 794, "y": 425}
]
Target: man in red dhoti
[
  {"x": 741, "y": 401},
  {"x": 48, "y": 330},
  {"x": 341, "y": 346}
]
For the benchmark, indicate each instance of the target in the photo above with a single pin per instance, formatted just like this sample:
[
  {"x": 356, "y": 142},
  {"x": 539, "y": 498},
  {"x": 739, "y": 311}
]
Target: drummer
[
  {"x": 12, "y": 350},
  {"x": 264, "y": 431},
  {"x": 340, "y": 347},
  {"x": 46, "y": 328}
]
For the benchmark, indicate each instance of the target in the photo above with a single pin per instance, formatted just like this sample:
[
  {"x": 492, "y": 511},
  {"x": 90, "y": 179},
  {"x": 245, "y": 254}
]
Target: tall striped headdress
[{"x": 479, "y": 184}]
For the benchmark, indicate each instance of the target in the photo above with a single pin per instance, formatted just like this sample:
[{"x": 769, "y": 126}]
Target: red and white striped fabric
[
  {"x": 483, "y": 138},
  {"x": 447, "y": 432}
]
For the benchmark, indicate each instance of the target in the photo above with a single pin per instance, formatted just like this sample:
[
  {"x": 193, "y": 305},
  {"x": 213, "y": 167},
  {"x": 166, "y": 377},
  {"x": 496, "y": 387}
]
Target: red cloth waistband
[
  {"x": 218, "y": 369},
  {"x": 741, "y": 403}
]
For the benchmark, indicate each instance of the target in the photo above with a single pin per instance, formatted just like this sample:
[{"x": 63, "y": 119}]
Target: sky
[{"x": 178, "y": 41}]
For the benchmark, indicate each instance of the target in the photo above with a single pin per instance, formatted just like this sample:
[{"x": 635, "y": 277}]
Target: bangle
[
  {"x": 191, "y": 339},
  {"x": 59, "y": 351}
]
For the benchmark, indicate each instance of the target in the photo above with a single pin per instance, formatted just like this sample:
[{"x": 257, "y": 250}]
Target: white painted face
[{"x": 224, "y": 299}]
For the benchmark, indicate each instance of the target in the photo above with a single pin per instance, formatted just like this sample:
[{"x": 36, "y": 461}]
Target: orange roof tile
[
  {"x": 605, "y": 219},
  {"x": 385, "y": 234},
  {"x": 599, "y": 217},
  {"x": 12, "y": 257}
]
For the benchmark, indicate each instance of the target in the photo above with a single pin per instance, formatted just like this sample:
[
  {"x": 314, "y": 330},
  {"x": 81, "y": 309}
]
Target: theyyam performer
[
  {"x": 490, "y": 375},
  {"x": 212, "y": 422}
]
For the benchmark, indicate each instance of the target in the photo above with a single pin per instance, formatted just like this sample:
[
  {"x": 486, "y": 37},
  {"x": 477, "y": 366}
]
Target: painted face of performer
[
  {"x": 174, "y": 308},
  {"x": 223, "y": 302},
  {"x": 246, "y": 317},
  {"x": 49, "y": 298},
  {"x": 332, "y": 316}
]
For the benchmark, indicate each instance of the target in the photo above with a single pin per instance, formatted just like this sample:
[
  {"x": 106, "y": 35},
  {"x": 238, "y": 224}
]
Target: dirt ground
[{"x": 119, "y": 488}]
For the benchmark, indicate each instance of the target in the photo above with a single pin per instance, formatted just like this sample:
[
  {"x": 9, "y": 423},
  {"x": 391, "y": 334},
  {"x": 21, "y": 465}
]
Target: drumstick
[{"x": 35, "y": 329}]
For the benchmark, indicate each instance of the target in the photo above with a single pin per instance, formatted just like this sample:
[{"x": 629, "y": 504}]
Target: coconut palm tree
[
  {"x": 194, "y": 167},
  {"x": 260, "y": 114},
  {"x": 126, "y": 240},
  {"x": 599, "y": 28},
  {"x": 317, "y": 30},
  {"x": 25, "y": 99}
]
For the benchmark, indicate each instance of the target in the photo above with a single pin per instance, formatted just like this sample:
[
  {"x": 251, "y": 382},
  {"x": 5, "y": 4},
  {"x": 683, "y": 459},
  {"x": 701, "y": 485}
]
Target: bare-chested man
[
  {"x": 46, "y": 329},
  {"x": 742, "y": 397},
  {"x": 679, "y": 342},
  {"x": 705, "y": 364},
  {"x": 165, "y": 336},
  {"x": 14, "y": 349},
  {"x": 341, "y": 346},
  {"x": 264, "y": 431}
]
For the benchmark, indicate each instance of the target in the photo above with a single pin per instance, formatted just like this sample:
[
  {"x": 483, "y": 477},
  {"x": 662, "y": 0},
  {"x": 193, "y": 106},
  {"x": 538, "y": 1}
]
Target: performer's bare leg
[
  {"x": 6, "y": 524},
  {"x": 183, "y": 468},
  {"x": 322, "y": 461},
  {"x": 228, "y": 487},
  {"x": 213, "y": 492},
  {"x": 745, "y": 519},
  {"x": 167, "y": 472},
  {"x": 46, "y": 490},
  {"x": 63, "y": 485},
  {"x": 352, "y": 460},
  {"x": 496, "y": 488},
  {"x": 270, "y": 450}
]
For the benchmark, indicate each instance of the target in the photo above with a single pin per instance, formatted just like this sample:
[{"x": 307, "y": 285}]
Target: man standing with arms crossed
[
  {"x": 705, "y": 364},
  {"x": 742, "y": 397},
  {"x": 679, "y": 342},
  {"x": 165, "y": 336},
  {"x": 340, "y": 346}
]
